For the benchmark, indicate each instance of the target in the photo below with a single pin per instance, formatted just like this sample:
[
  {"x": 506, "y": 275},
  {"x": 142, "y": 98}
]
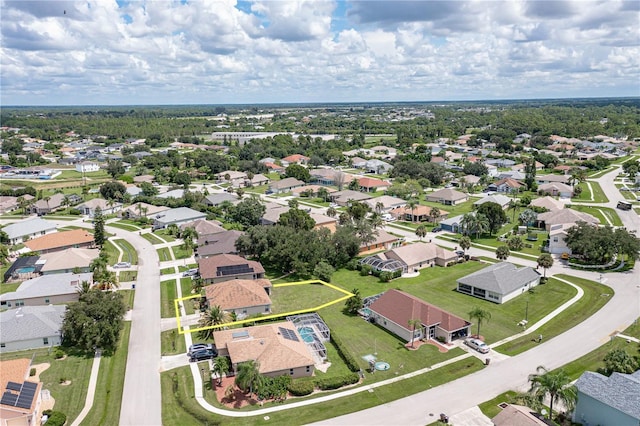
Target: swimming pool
[
  {"x": 307, "y": 334},
  {"x": 26, "y": 270}
]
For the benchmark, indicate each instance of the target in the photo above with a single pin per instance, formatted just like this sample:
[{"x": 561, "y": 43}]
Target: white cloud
[{"x": 293, "y": 51}]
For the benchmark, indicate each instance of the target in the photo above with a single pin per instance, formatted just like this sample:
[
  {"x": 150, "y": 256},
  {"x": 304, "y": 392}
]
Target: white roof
[
  {"x": 28, "y": 226},
  {"x": 31, "y": 322},
  {"x": 48, "y": 285},
  {"x": 180, "y": 214}
]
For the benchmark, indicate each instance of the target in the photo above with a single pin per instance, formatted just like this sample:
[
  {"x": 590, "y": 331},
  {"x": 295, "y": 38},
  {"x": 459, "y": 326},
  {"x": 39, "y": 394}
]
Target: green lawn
[
  {"x": 152, "y": 238},
  {"x": 185, "y": 287},
  {"x": 593, "y": 360},
  {"x": 187, "y": 267},
  {"x": 129, "y": 254},
  {"x": 125, "y": 226},
  {"x": 180, "y": 253},
  {"x": 112, "y": 252},
  {"x": 108, "y": 397},
  {"x": 126, "y": 276},
  {"x": 292, "y": 298},
  {"x": 600, "y": 213},
  {"x": 490, "y": 408},
  {"x": 7, "y": 288},
  {"x": 75, "y": 368},
  {"x": 590, "y": 303},
  {"x": 164, "y": 234},
  {"x": 172, "y": 343},
  {"x": 168, "y": 271},
  {"x": 164, "y": 254},
  {"x": 167, "y": 296},
  {"x": 127, "y": 297},
  {"x": 598, "y": 194}
]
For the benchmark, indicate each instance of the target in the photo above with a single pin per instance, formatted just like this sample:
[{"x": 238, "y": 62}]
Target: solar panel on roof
[
  {"x": 24, "y": 403},
  {"x": 9, "y": 398},
  {"x": 234, "y": 269},
  {"x": 288, "y": 334},
  {"x": 29, "y": 385},
  {"x": 14, "y": 386}
]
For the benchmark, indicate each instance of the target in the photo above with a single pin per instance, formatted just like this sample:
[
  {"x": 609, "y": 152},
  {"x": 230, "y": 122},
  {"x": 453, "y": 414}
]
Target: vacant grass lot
[
  {"x": 589, "y": 303},
  {"x": 293, "y": 298},
  {"x": 76, "y": 367},
  {"x": 108, "y": 397},
  {"x": 167, "y": 296}
]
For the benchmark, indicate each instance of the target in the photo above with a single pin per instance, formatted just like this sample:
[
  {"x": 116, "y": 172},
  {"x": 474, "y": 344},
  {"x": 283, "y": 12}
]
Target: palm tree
[
  {"x": 379, "y": 207},
  {"x": 323, "y": 193},
  {"x": 465, "y": 243},
  {"x": 513, "y": 206},
  {"x": 421, "y": 232},
  {"x": 332, "y": 212},
  {"x": 481, "y": 224},
  {"x": 212, "y": 317},
  {"x": 555, "y": 384},
  {"x": 545, "y": 260},
  {"x": 434, "y": 214},
  {"x": 480, "y": 315},
  {"x": 414, "y": 323},
  {"x": 502, "y": 253},
  {"x": 84, "y": 287},
  {"x": 527, "y": 217},
  {"x": 467, "y": 223},
  {"x": 412, "y": 204},
  {"x": 249, "y": 377},
  {"x": 107, "y": 281},
  {"x": 47, "y": 199},
  {"x": 220, "y": 367}
]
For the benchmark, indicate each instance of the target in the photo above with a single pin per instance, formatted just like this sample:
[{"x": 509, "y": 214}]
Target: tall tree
[
  {"x": 555, "y": 384},
  {"x": 530, "y": 174},
  {"x": 494, "y": 214},
  {"x": 421, "y": 231},
  {"x": 545, "y": 261},
  {"x": 465, "y": 243},
  {"x": 249, "y": 377},
  {"x": 98, "y": 227},
  {"x": 502, "y": 252},
  {"x": 354, "y": 303},
  {"x": 434, "y": 214},
  {"x": 414, "y": 323},
  {"x": 618, "y": 360},
  {"x": 220, "y": 367},
  {"x": 480, "y": 315}
]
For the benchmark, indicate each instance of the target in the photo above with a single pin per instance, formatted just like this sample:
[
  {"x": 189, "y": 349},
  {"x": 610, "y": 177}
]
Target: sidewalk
[{"x": 93, "y": 381}]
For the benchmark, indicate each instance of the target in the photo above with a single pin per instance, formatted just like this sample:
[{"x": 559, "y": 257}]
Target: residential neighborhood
[{"x": 266, "y": 269}]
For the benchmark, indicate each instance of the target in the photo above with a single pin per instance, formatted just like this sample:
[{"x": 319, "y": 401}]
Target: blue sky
[{"x": 60, "y": 52}]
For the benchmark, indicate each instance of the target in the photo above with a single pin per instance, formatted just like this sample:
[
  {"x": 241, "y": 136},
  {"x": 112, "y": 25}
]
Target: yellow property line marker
[{"x": 347, "y": 295}]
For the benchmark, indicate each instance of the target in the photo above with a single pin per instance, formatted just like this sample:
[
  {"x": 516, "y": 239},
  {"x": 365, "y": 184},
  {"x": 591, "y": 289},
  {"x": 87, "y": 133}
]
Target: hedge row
[
  {"x": 301, "y": 387},
  {"x": 337, "y": 382},
  {"x": 55, "y": 418},
  {"x": 346, "y": 356}
]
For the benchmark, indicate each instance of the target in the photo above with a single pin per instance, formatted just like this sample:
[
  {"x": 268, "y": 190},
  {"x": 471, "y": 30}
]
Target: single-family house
[
  {"x": 394, "y": 309},
  {"x": 218, "y": 243},
  {"x": 272, "y": 213},
  {"x": 177, "y": 217},
  {"x": 87, "y": 167},
  {"x": 76, "y": 238},
  {"x": 241, "y": 297},
  {"x": 492, "y": 170},
  {"x": 383, "y": 241},
  {"x": 382, "y": 151},
  {"x": 31, "y": 327},
  {"x": 8, "y": 204},
  {"x": 368, "y": 184},
  {"x": 556, "y": 189},
  {"x": 513, "y": 175},
  {"x": 256, "y": 180},
  {"x": 499, "y": 282},
  {"x": 421, "y": 255},
  {"x": 26, "y": 229},
  {"x": 452, "y": 224},
  {"x": 285, "y": 185},
  {"x": 224, "y": 267},
  {"x": 447, "y": 196},
  {"x": 235, "y": 178},
  {"x": 47, "y": 205},
  {"x": 613, "y": 400},
  {"x": 419, "y": 213},
  {"x": 564, "y": 216},
  {"x": 358, "y": 162},
  {"x": 217, "y": 199},
  {"x": 557, "y": 238},
  {"x": 46, "y": 290},
  {"x": 174, "y": 193},
  {"x": 21, "y": 395},
  {"x": 295, "y": 159},
  {"x": 540, "y": 180},
  {"x": 502, "y": 200},
  {"x": 547, "y": 202},
  {"x": 203, "y": 226},
  {"x": 140, "y": 209},
  {"x": 385, "y": 203},
  {"x": 326, "y": 177},
  {"x": 324, "y": 221},
  {"x": 508, "y": 185},
  {"x": 377, "y": 166},
  {"x": 88, "y": 208},
  {"x": 134, "y": 190},
  {"x": 278, "y": 349},
  {"x": 342, "y": 198},
  {"x": 68, "y": 260}
]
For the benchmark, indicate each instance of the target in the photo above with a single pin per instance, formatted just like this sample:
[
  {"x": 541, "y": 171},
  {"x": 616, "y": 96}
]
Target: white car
[
  {"x": 122, "y": 265},
  {"x": 478, "y": 345}
]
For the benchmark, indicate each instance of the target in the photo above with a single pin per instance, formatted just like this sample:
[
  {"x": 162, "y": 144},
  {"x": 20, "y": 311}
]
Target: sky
[{"x": 119, "y": 52}]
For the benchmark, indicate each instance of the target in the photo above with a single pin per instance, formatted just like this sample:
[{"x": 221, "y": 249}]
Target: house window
[
  {"x": 464, "y": 288},
  {"x": 2, "y": 345},
  {"x": 308, "y": 369},
  {"x": 266, "y": 309},
  {"x": 19, "y": 303},
  {"x": 493, "y": 296},
  {"x": 45, "y": 341},
  {"x": 291, "y": 371},
  {"x": 46, "y": 300},
  {"x": 555, "y": 239},
  {"x": 479, "y": 292}
]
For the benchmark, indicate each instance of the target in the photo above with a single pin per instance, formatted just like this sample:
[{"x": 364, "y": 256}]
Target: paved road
[
  {"x": 141, "y": 398},
  {"x": 512, "y": 373}
]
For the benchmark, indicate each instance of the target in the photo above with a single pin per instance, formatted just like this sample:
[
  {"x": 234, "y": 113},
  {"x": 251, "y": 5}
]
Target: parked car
[
  {"x": 202, "y": 355},
  {"x": 196, "y": 347},
  {"x": 478, "y": 345},
  {"x": 122, "y": 265},
  {"x": 436, "y": 229},
  {"x": 190, "y": 273}
]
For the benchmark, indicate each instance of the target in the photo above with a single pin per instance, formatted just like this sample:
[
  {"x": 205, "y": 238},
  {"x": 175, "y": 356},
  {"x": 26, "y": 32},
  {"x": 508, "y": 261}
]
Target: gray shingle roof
[
  {"x": 31, "y": 322},
  {"x": 48, "y": 285},
  {"x": 619, "y": 391},
  {"x": 179, "y": 214},
  {"x": 501, "y": 278}
]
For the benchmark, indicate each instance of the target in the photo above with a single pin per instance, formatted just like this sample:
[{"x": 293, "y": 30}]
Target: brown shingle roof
[
  {"x": 266, "y": 345},
  {"x": 60, "y": 239},
  {"x": 17, "y": 371},
  {"x": 400, "y": 307},
  {"x": 237, "y": 294}
]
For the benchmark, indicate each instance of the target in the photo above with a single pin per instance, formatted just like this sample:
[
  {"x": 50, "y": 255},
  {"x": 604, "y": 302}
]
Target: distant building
[
  {"x": 499, "y": 282},
  {"x": 177, "y": 217}
]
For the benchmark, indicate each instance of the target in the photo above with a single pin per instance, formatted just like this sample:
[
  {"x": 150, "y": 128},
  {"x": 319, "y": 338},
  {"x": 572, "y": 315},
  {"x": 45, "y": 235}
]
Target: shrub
[
  {"x": 301, "y": 387},
  {"x": 75, "y": 212},
  {"x": 386, "y": 276},
  {"x": 365, "y": 270},
  {"x": 58, "y": 353},
  {"x": 32, "y": 372},
  {"x": 346, "y": 356},
  {"x": 56, "y": 418},
  {"x": 329, "y": 383},
  {"x": 352, "y": 265}
]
